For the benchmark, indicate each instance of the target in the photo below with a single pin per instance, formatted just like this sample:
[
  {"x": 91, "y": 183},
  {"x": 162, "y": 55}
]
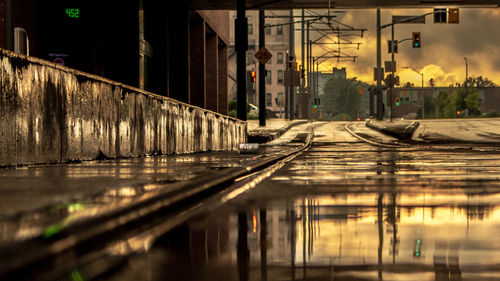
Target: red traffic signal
[{"x": 253, "y": 76}]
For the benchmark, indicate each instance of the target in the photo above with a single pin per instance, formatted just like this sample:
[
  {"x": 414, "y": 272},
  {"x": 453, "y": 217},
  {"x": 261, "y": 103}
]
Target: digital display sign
[{"x": 73, "y": 13}]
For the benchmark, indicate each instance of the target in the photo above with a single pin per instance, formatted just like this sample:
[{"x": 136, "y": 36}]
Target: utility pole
[
  {"x": 292, "y": 54},
  {"x": 303, "y": 49},
  {"x": 241, "y": 46},
  {"x": 262, "y": 72},
  {"x": 466, "y": 73},
  {"x": 309, "y": 101},
  {"x": 379, "y": 69},
  {"x": 287, "y": 89},
  {"x": 9, "y": 24},
  {"x": 392, "y": 66}
]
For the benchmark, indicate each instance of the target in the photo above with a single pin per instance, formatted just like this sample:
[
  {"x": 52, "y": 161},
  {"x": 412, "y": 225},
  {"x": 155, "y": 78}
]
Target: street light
[
  {"x": 466, "y": 71},
  {"x": 423, "y": 96}
]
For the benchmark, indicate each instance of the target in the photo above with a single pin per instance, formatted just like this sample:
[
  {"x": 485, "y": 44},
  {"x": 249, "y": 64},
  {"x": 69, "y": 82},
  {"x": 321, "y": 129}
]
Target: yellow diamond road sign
[{"x": 263, "y": 55}]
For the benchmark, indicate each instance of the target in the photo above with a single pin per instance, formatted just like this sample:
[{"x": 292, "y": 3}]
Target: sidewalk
[
  {"x": 480, "y": 130},
  {"x": 274, "y": 129}
]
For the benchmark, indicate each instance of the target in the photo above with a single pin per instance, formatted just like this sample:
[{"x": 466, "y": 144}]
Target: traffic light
[
  {"x": 459, "y": 113},
  {"x": 453, "y": 15},
  {"x": 417, "y": 248},
  {"x": 440, "y": 15},
  {"x": 253, "y": 76},
  {"x": 397, "y": 101},
  {"x": 416, "y": 40}
]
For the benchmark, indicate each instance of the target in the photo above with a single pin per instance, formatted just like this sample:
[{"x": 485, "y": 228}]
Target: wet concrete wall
[{"x": 51, "y": 114}]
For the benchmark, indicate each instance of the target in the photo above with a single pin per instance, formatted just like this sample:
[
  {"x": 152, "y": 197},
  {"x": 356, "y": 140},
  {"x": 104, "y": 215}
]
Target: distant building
[
  {"x": 411, "y": 100},
  {"x": 339, "y": 72},
  {"x": 277, "y": 42}
]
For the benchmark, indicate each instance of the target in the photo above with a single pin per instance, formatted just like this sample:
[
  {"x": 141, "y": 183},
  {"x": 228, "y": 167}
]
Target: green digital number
[{"x": 73, "y": 13}]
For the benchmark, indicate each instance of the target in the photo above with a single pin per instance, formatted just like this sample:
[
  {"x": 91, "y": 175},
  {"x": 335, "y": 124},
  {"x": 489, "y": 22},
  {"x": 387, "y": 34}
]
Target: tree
[
  {"x": 472, "y": 103},
  {"x": 478, "y": 82},
  {"x": 341, "y": 96},
  {"x": 432, "y": 83}
]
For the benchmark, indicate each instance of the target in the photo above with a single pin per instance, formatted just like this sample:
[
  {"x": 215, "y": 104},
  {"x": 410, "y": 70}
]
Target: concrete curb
[
  {"x": 402, "y": 131},
  {"x": 257, "y": 136}
]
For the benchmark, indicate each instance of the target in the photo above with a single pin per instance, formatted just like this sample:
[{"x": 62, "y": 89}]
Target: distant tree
[
  {"x": 341, "y": 96},
  {"x": 472, "y": 103},
  {"x": 478, "y": 82},
  {"x": 432, "y": 83},
  {"x": 408, "y": 85}
]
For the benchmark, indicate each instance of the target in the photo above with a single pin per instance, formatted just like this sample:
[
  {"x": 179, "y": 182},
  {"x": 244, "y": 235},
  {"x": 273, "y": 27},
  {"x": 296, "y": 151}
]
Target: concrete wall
[{"x": 51, "y": 114}]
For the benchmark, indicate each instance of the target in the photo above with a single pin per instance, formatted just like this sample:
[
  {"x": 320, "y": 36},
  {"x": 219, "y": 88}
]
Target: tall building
[{"x": 277, "y": 43}]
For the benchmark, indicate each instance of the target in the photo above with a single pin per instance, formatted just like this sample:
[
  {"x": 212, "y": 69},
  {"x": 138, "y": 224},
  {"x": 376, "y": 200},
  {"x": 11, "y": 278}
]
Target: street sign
[
  {"x": 406, "y": 19},
  {"x": 292, "y": 78},
  {"x": 380, "y": 74},
  {"x": 263, "y": 55},
  {"x": 389, "y": 47},
  {"x": 390, "y": 66}
]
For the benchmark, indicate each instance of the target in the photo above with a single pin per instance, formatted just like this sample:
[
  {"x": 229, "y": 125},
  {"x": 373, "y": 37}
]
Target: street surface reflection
[{"x": 336, "y": 215}]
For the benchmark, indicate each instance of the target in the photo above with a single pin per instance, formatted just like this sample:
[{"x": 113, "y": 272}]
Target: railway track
[{"x": 89, "y": 244}]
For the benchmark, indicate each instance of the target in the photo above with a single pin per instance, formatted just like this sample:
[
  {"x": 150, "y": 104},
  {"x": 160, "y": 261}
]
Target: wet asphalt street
[{"x": 345, "y": 210}]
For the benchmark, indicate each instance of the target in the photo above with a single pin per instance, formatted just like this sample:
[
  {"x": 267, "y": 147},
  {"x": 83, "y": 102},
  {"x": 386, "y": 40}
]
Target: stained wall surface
[{"x": 51, "y": 114}]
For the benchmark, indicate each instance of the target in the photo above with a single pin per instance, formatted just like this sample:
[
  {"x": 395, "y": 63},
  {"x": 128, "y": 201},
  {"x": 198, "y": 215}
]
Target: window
[
  {"x": 279, "y": 100},
  {"x": 279, "y": 58},
  {"x": 250, "y": 29},
  {"x": 280, "y": 76},
  {"x": 279, "y": 30},
  {"x": 269, "y": 98},
  {"x": 250, "y": 58},
  {"x": 268, "y": 31},
  {"x": 268, "y": 77}
]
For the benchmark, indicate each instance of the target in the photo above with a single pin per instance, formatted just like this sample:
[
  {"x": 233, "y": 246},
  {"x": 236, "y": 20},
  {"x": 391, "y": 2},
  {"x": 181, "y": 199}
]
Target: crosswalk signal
[
  {"x": 397, "y": 101},
  {"x": 253, "y": 76},
  {"x": 453, "y": 15},
  {"x": 416, "y": 40}
]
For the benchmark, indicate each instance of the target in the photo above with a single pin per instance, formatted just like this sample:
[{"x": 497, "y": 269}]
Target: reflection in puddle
[
  {"x": 379, "y": 236},
  {"x": 327, "y": 216}
]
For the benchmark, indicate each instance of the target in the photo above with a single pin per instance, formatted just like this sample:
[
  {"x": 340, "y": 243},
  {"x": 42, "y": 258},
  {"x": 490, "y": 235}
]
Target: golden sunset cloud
[{"x": 441, "y": 57}]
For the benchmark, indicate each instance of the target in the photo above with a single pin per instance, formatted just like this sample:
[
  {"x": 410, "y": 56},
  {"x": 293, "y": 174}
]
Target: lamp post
[
  {"x": 423, "y": 96},
  {"x": 466, "y": 70}
]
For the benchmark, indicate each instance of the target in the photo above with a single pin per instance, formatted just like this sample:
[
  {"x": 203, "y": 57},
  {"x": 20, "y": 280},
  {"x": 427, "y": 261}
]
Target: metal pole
[
  {"x": 302, "y": 34},
  {"x": 309, "y": 107},
  {"x": 466, "y": 71},
  {"x": 317, "y": 81},
  {"x": 392, "y": 72},
  {"x": 287, "y": 89},
  {"x": 262, "y": 72},
  {"x": 9, "y": 24},
  {"x": 291, "y": 109},
  {"x": 423, "y": 96},
  {"x": 379, "y": 69},
  {"x": 241, "y": 46}
]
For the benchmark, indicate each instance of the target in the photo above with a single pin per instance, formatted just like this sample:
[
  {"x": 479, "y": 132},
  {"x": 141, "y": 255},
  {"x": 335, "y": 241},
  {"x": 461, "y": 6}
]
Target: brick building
[
  {"x": 160, "y": 46},
  {"x": 277, "y": 42}
]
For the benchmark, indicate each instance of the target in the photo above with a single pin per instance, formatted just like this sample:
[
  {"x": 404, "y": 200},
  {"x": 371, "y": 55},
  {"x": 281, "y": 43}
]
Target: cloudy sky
[{"x": 441, "y": 56}]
